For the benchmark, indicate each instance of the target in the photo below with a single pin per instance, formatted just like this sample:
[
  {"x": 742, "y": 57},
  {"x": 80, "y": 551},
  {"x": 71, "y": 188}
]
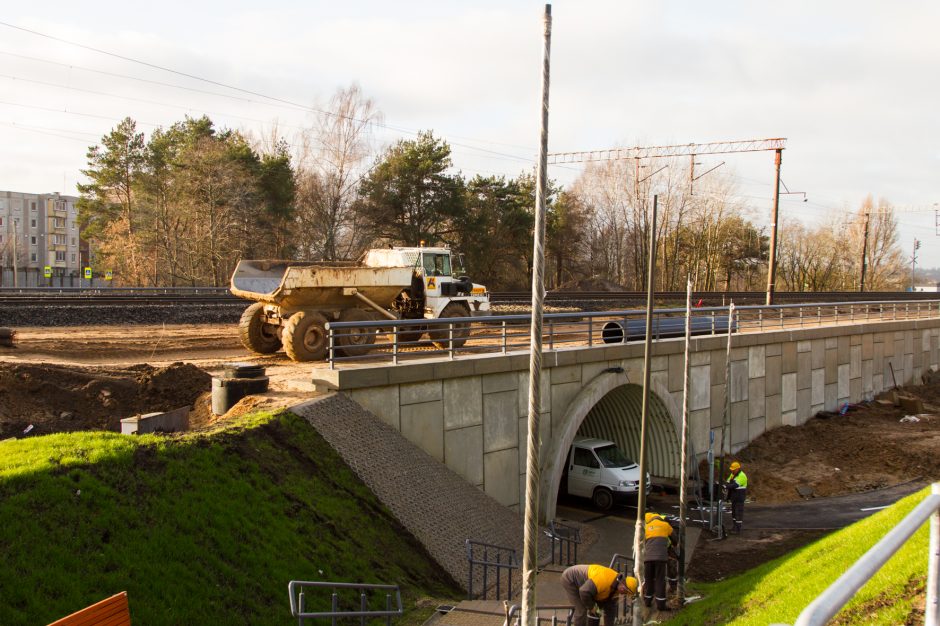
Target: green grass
[
  {"x": 198, "y": 529},
  {"x": 777, "y": 591}
]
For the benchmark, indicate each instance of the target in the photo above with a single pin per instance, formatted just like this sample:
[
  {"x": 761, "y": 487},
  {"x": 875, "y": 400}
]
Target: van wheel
[{"x": 603, "y": 499}]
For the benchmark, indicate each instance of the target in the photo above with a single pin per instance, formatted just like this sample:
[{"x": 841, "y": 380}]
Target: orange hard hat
[{"x": 735, "y": 466}]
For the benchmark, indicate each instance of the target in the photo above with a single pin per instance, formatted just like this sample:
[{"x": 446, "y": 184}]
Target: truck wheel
[
  {"x": 410, "y": 334},
  {"x": 441, "y": 337},
  {"x": 358, "y": 341},
  {"x": 255, "y": 334},
  {"x": 305, "y": 337},
  {"x": 603, "y": 499}
]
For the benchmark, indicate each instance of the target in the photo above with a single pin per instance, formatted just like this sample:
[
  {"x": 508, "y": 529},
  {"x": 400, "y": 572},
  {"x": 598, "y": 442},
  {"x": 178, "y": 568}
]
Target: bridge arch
[{"x": 610, "y": 407}]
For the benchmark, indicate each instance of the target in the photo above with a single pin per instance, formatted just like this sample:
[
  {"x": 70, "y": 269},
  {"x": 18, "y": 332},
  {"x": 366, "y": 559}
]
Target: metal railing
[
  {"x": 514, "y": 616},
  {"x": 357, "y": 595},
  {"x": 498, "y": 558},
  {"x": 830, "y": 601},
  {"x": 455, "y": 337},
  {"x": 566, "y": 538},
  {"x": 624, "y": 565}
]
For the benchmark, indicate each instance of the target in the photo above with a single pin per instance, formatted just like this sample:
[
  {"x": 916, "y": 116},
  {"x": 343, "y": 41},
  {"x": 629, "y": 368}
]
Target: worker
[
  {"x": 737, "y": 493},
  {"x": 587, "y": 585},
  {"x": 659, "y": 534}
]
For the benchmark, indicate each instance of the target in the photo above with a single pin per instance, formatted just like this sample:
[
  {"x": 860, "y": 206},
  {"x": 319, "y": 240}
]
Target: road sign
[
  {"x": 108, "y": 274},
  {"x": 88, "y": 273},
  {"x": 47, "y": 271}
]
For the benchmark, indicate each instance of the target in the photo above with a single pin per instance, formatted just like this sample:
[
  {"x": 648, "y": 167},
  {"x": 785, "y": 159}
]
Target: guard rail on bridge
[{"x": 459, "y": 336}]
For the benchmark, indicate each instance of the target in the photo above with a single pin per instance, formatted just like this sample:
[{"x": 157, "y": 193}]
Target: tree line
[{"x": 184, "y": 205}]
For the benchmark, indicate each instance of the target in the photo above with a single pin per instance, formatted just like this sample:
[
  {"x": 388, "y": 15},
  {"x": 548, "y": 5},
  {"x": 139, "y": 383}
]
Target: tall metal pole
[
  {"x": 772, "y": 262},
  {"x": 861, "y": 284},
  {"x": 530, "y": 553},
  {"x": 932, "y": 603},
  {"x": 684, "y": 463},
  {"x": 638, "y": 538},
  {"x": 914, "y": 260},
  {"x": 15, "y": 235}
]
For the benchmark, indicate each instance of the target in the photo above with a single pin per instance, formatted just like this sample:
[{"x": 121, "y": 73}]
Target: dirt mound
[
  {"x": 590, "y": 284},
  {"x": 867, "y": 448},
  {"x": 62, "y": 398}
]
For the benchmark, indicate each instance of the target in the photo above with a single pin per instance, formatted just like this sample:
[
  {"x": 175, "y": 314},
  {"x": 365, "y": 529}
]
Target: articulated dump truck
[{"x": 293, "y": 301}]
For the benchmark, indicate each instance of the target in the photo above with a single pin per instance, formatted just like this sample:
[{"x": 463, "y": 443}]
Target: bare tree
[{"x": 331, "y": 165}]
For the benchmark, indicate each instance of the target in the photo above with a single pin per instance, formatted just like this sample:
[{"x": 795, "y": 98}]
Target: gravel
[{"x": 85, "y": 315}]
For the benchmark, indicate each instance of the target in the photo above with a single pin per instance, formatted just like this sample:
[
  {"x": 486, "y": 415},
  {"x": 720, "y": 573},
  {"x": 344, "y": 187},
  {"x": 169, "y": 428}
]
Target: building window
[
  {"x": 1, "y": 220},
  {"x": 59, "y": 240},
  {"x": 58, "y": 222},
  {"x": 60, "y": 256},
  {"x": 32, "y": 206},
  {"x": 32, "y": 223},
  {"x": 73, "y": 241},
  {"x": 73, "y": 225},
  {"x": 32, "y": 257},
  {"x": 73, "y": 257},
  {"x": 32, "y": 241}
]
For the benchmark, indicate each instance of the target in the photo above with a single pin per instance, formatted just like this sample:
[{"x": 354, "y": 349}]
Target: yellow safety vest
[{"x": 603, "y": 578}]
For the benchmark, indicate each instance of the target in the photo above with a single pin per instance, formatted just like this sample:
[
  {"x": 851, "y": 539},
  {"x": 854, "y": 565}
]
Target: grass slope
[
  {"x": 199, "y": 529},
  {"x": 777, "y": 591}
]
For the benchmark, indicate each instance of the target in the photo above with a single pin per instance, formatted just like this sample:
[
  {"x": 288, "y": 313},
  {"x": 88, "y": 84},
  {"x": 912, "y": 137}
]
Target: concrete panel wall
[{"x": 470, "y": 413}]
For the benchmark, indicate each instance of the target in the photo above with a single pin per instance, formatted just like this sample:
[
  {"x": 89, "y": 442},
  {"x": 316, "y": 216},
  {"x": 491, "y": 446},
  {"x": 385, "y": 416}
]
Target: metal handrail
[
  {"x": 513, "y": 617},
  {"x": 830, "y": 601},
  {"x": 501, "y": 552},
  {"x": 567, "y": 538},
  {"x": 297, "y": 601}
]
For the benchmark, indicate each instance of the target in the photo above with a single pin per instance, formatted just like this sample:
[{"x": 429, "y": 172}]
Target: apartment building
[{"x": 39, "y": 231}]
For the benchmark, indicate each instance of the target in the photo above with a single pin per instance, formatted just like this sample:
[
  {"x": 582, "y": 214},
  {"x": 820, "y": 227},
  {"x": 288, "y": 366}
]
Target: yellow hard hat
[
  {"x": 631, "y": 584},
  {"x": 735, "y": 466}
]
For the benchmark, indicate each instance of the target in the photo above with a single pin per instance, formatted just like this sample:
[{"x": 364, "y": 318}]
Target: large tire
[
  {"x": 442, "y": 337},
  {"x": 305, "y": 337},
  {"x": 358, "y": 341},
  {"x": 255, "y": 334},
  {"x": 410, "y": 334}
]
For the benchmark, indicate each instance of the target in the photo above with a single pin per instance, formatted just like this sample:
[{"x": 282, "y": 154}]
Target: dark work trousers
[
  {"x": 655, "y": 584},
  {"x": 737, "y": 507}
]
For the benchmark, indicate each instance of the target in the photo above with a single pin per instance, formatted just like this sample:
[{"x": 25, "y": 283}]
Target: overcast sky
[{"x": 853, "y": 86}]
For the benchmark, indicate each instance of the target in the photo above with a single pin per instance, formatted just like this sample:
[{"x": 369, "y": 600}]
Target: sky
[{"x": 853, "y": 86}]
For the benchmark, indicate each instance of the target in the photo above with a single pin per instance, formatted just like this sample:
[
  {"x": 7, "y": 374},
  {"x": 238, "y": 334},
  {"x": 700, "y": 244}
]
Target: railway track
[{"x": 584, "y": 300}]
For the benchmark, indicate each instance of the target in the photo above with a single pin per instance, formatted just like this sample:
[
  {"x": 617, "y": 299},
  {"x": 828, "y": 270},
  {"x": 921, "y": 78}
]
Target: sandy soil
[{"x": 64, "y": 379}]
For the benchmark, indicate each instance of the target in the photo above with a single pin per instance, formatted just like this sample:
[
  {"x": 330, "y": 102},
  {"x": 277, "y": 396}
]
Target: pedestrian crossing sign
[
  {"x": 108, "y": 274},
  {"x": 88, "y": 273},
  {"x": 47, "y": 271}
]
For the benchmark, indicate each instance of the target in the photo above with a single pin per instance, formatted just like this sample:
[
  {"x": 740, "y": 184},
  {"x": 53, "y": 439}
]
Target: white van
[{"x": 597, "y": 469}]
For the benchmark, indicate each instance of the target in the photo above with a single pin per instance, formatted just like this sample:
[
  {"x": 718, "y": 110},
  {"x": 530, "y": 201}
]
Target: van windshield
[{"x": 611, "y": 456}]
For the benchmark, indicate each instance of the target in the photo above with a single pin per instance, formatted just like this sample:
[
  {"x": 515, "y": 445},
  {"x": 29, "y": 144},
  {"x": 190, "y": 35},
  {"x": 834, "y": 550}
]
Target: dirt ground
[
  {"x": 867, "y": 448},
  {"x": 76, "y": 378},
  {"x": 64, "y": 379}
]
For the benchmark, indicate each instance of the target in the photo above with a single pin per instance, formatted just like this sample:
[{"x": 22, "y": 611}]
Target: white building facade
[{"x": 39, "y": 238}]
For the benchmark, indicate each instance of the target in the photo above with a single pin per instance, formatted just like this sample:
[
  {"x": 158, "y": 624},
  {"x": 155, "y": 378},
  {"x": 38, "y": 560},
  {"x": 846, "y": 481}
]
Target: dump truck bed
[{"x": 291, "y": 284}]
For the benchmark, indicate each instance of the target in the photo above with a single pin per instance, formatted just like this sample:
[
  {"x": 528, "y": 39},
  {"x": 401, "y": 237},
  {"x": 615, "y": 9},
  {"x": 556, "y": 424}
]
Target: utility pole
[
  {"x": 638, "y": 533},
  {"x": 772, "y": 262},
  {"x": 530, "y": 559},
  {"x": 861, "y": 284},
  {"x": 914, "y": 260},
  {"x": 15, "y": 279}
]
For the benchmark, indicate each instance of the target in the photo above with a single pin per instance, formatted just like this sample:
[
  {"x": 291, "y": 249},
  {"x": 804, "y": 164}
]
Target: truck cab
[
  {"x": 434, "y": 267},
  {"x": 598, "y": 470}
]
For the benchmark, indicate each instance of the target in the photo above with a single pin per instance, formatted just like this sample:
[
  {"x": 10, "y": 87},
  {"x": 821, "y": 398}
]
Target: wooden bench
[{"x": 113, "y": 611}]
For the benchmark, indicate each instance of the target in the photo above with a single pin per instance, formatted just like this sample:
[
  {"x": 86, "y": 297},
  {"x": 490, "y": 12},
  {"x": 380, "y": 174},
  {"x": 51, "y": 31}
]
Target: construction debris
[{"x": 911, "y": 405}]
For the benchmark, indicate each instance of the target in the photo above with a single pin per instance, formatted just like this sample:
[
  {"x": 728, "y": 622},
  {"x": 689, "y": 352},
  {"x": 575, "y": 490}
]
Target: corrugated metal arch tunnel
[{"x": 616, "y": 417}]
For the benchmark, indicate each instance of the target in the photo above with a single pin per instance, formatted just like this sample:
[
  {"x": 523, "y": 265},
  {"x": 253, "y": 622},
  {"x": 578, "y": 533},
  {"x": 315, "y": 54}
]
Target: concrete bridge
[{"x": 470, "y": 413}]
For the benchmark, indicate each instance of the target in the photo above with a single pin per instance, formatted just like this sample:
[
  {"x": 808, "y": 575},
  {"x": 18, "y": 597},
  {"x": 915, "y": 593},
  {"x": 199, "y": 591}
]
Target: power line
[{"x": 248, "y": 91}]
